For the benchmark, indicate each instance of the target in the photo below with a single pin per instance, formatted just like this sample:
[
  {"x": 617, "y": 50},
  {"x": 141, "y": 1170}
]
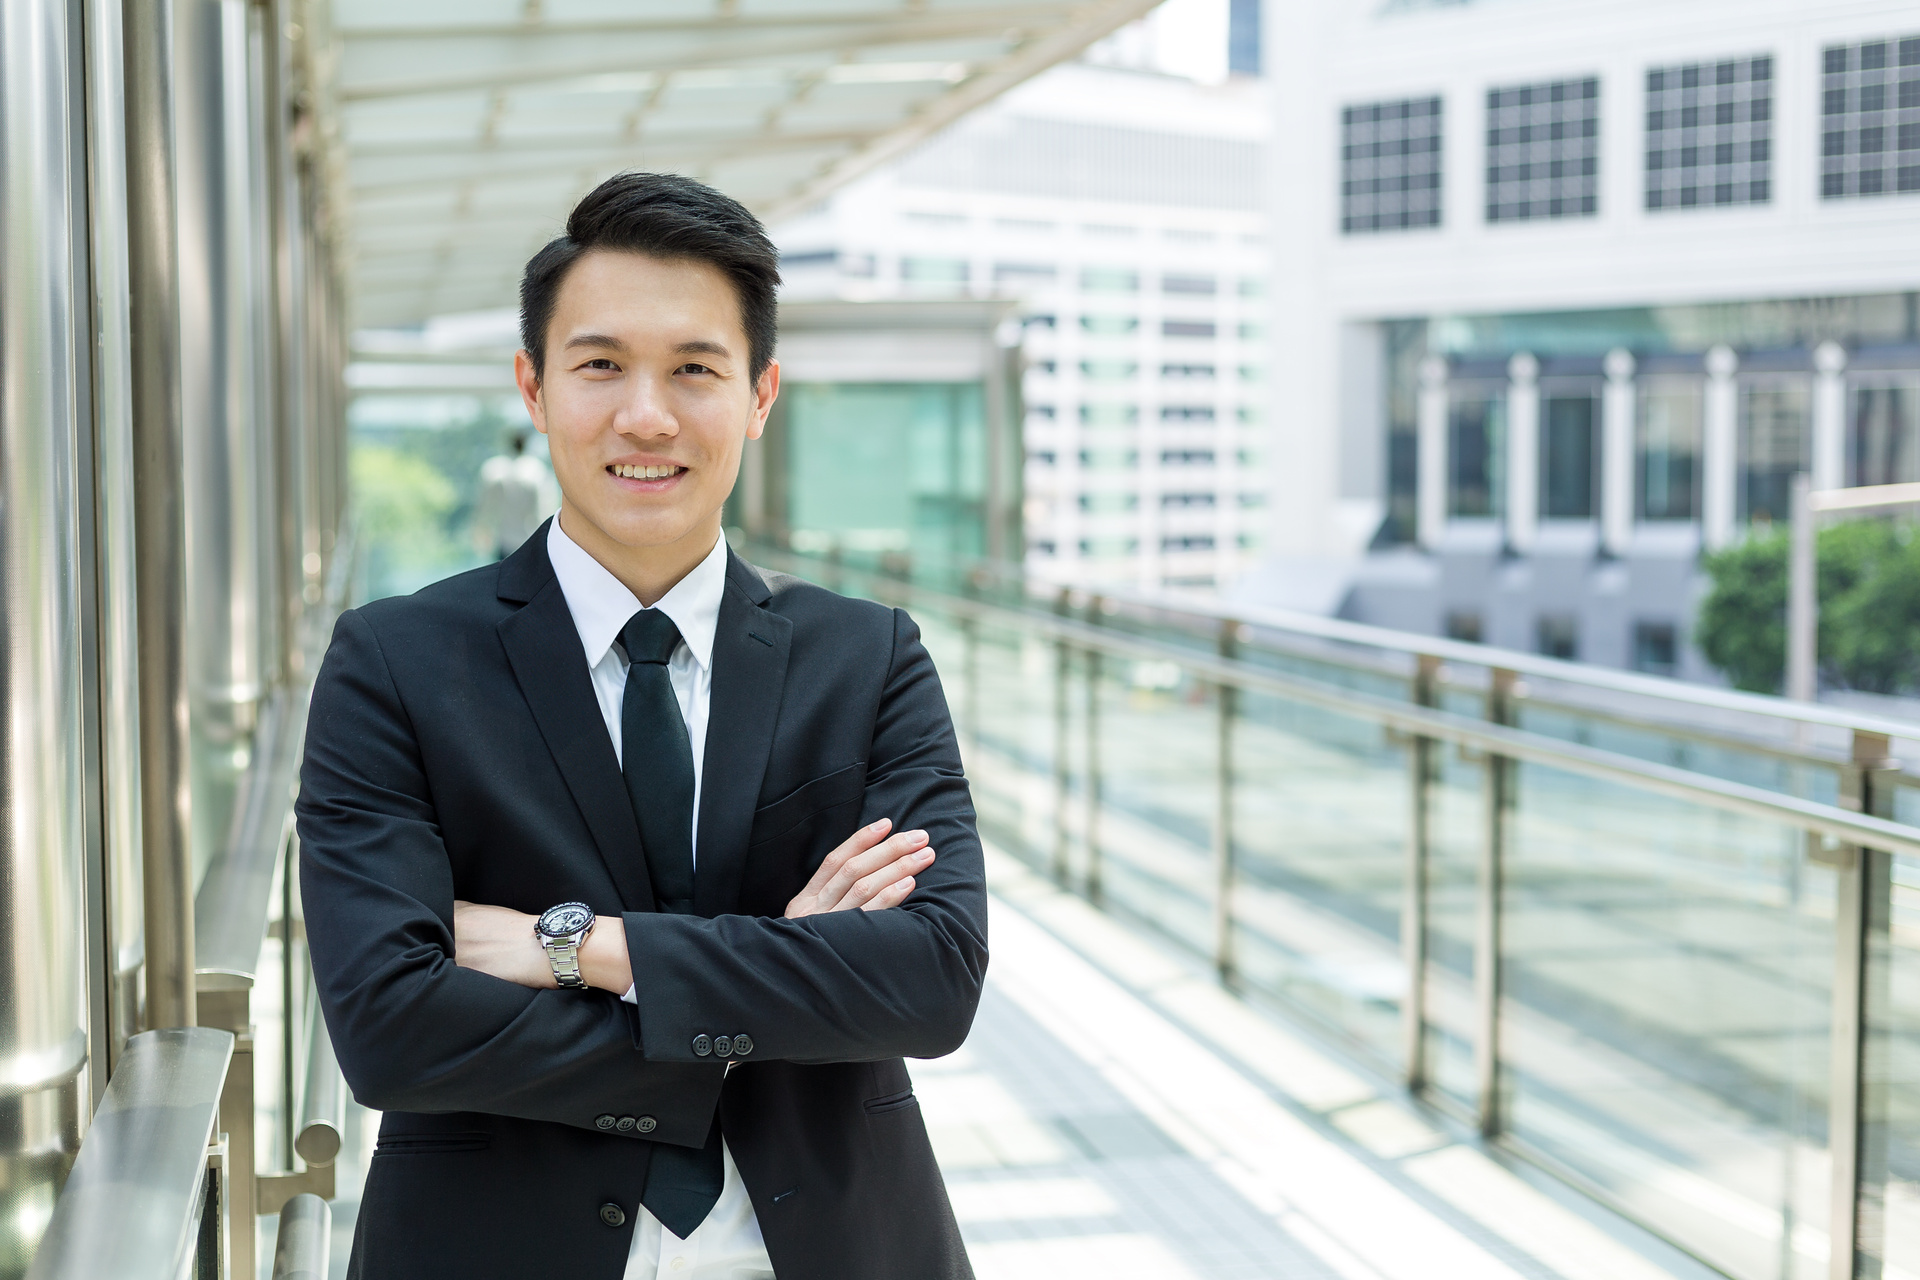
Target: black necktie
[{"x": 657, "y": 759}]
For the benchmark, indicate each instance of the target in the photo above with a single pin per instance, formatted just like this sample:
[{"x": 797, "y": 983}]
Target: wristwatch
[{"x": 561, "y": 930}]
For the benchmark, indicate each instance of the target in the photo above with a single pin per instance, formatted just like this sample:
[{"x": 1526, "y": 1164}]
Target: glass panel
[
  {"x": 1476, "y": 449},
  {"x": 1667, "y": 977},
  {"x": 1667, "y": 449},
  {"x": 1566, "y": 455},
  {"x": 1456, "y": 822},
  {"x": 1890, "y": 1159},
  {"x": 1885, "y": 441},
  {"x": 1321, "y": 811},
  {"x": 1774, "y": 443}
]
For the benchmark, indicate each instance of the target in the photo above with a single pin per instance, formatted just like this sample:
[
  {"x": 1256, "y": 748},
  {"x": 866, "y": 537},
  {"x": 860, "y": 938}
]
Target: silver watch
[{"x": 561, "y": 930}]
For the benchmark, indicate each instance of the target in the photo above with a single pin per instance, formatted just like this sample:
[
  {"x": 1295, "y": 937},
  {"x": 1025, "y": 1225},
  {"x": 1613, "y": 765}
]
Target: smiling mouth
[{"x": 644, "y": 473}]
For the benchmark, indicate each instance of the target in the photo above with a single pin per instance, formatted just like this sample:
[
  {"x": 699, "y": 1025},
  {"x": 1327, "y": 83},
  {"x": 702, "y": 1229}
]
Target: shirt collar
[{"x": 601, "y": 604}]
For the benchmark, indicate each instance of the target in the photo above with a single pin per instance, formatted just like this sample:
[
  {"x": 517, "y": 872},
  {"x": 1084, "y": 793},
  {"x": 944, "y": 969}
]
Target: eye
[
  {"x": 691, "y": 367},
  {"x": 601, "y": 363}
]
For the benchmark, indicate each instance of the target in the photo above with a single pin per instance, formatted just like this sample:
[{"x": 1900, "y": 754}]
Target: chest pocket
[{"x": 790, "y": 837}]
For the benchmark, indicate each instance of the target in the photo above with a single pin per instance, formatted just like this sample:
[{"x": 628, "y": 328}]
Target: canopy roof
[{"x": 466, "y": 128}]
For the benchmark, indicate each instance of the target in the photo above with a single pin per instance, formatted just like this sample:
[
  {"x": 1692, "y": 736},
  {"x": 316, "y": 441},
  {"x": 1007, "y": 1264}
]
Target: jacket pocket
[
  {"x": 892, "y": 1102},
  {"x": 843, "y": 786},
  {"x": 431, "y": 1144}
]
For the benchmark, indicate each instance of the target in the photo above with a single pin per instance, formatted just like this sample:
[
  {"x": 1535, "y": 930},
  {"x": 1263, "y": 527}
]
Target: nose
[{"x": 646, "y": 415}]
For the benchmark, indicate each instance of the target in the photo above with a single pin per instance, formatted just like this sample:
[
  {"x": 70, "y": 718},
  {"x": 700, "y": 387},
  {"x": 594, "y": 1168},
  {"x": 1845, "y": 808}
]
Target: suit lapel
[
  {"x": 749, "y": 674},
  {"x": 543, "y": 646}
]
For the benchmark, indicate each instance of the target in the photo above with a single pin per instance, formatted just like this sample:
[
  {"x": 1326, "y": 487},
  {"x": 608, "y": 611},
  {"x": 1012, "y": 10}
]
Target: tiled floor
[{"x": 1116, "y": 1115}]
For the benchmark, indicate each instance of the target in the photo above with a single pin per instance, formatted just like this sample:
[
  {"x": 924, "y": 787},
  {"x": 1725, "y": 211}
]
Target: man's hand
[
  {"x": 868, "y": 871},
  {"x": 500, "y": 941}
]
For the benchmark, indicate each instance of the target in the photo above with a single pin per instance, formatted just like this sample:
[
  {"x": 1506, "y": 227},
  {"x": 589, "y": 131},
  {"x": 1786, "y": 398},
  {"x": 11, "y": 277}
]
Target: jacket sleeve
[
  {"x": 847, "y": 986},
  {"x": 412, "y": 1030}
]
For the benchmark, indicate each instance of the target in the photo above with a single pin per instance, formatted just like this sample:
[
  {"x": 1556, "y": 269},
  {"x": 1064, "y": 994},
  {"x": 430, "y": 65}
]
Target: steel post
[
  {"x": 1486, "y": 933},
  {"x": 1227, "y": 697},
  {"x": 1421, "y": 756},
  {"x": 1091, "y": 834}
]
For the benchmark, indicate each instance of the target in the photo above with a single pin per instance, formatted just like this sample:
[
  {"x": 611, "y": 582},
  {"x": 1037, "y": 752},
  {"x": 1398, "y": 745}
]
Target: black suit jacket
[{"x": 455, "y": 750}]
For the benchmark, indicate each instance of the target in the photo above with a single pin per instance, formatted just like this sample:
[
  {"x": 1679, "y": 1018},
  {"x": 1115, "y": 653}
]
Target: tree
[{"x": 1869, "y": 590}]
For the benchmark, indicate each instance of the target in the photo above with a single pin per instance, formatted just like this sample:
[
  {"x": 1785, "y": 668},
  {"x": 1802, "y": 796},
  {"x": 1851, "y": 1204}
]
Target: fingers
[
  {"x": 868, "y": 889},
  {"x": 861, "y": 865},
  {"x": 857, "y": 843},
  {"x": 891, "y": 896}
]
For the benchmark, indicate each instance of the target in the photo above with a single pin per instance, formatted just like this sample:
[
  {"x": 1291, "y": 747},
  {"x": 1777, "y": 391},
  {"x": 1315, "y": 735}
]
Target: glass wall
[
  {"x": 1884, "y": 447},
  {"x": 1774, "y": 443},
  {"x": 1569, "y": 436},
  {"x": 1476, "y": 448},
  {"x": 1667, "y": 449}
]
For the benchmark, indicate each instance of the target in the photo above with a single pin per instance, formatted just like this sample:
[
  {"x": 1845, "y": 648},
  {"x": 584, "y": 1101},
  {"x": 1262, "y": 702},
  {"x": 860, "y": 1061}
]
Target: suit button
[
  {"x": 646, "y": 1124},
  {"x": 742, "y": 1045},
  {"x": 723, "y": 1046},
  {"x": 702, "y": 1045},
  {"x": 613, "y": 1215},
  {"x": 624, "y": 1124},
  {"x": 603, "y": 1122}
]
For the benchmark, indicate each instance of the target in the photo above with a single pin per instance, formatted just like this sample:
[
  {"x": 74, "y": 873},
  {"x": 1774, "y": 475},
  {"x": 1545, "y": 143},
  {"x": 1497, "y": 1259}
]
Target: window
[
  {"x": 811, "y": 258},
  {"x": 1870, "y": 118},
  {"x": 864, "y": 265},
  {"x": 1248, "y": 414},
  {"x": 1543, "y": 151},
  {"x": 1251, "y": 331},
  {"x": 1186, "y": 328},
  {"x": 1046, "y": 368},
  {"x": 1041, "y": 457},
  {"x": 938, "y": 219},
  {"x": 1710, "y": 134},
  {"x": 1187, "y": 372},
  {"x": 1109, "y": 459},
  {"x": 1774, "y": 443},
  {"x": 1567, "y": 443},
  {"x": 1666, "y": 451},
  {"x": 1109, "y": 326},
  {"x": 1109, "y": 415},
  {"x": 1044, "y": 547},
  {"x": 1110, "y": 280},
  {"x": 1884, "y": 447},
  {"x": 1463, "y": 624},
  {"x": 1105, "y": 229},
  {"x": 1186, "y": 413},
  {"x": 1109, "y": 546},
  {"x": 1022, "y": 274},
  {"x": 1038, "y": 322},
  {"x": 1108, "y": 370},
  {"x": 934, "y": 270},
  {"x": 1557, "y": 635},
  {"x": 1186, "y": 457},
  {"x": 1189, "y": 286},
  {"x": 1188, "y": 542},
  {"x": 1186, "y": 500},
  {"x": 1655, "y": 648},
  {"x": 1044, "y": 411},
  {"x": 1252, "y": 373},
  {"x": 1108, "y": 503},
  {"x": 1390, "y": 165},
  {"x": 1476, "y": 449},
  {"x": 1252, "y": 287},
  {"x": 1253, "y": 500}
]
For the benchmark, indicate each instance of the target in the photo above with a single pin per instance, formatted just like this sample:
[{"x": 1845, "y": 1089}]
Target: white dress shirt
[{"x": 727, "y": 1245}]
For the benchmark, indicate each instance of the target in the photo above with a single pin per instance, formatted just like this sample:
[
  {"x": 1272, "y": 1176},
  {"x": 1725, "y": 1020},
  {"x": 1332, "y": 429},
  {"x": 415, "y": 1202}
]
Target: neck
[{"x": 648, "y": 572}]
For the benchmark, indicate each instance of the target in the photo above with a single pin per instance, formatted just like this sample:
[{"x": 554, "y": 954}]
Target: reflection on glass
[
  {"x": 1884, "y": 447},
  {"x": 1476, "y": 449},
  {"x": 1666, "y": 979},
  {"x": 1567, "y": 441},
  {"x": 1667, "y": 449},
  {"x": 1774, "y": 443}
]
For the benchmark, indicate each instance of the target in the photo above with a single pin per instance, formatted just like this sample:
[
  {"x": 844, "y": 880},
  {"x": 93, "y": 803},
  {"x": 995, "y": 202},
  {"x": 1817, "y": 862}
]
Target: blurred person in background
[{"x": 516, "y": 493}]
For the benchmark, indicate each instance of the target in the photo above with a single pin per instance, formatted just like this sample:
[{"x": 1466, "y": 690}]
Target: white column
[
  {"x": 1616, "y": 454},
  {"x": 1719, "y": 451},
  {"x": 1430, "y": 509},
  {"x": 1523, "y": 451},
  {"x": 1829, "y": 416}
]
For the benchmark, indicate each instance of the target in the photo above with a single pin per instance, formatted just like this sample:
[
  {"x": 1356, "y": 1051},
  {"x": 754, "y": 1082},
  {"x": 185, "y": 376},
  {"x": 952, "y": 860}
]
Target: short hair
[{"x": 663, "y": 215}]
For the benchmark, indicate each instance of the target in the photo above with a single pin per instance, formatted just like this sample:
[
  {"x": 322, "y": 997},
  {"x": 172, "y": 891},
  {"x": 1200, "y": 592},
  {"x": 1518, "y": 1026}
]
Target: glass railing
[{"x": 1649, "y": 935}]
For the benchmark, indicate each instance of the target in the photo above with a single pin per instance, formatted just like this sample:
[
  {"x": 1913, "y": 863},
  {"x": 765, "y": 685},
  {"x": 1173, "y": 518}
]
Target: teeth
[{"x": 646, "y": 473}]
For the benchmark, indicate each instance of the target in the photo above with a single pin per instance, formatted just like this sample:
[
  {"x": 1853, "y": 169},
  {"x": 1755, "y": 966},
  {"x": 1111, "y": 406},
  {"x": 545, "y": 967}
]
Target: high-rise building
[
  {"x": 1124, "y": 210},
  {"x": 1572, "y": 290}
]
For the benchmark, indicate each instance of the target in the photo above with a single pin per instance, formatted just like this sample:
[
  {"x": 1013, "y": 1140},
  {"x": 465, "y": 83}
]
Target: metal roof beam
[{"x": 983, "y": 18}]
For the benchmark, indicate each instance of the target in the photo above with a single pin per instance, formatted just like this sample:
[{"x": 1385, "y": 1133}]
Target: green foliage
[
  {"x": 1869, "y": 588},
  {"x": 401, "y": 503}
]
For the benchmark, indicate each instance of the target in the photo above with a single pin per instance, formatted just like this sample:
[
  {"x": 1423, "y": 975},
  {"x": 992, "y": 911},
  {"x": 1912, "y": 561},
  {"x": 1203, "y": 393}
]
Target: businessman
[{"x": 632, "y": 872}]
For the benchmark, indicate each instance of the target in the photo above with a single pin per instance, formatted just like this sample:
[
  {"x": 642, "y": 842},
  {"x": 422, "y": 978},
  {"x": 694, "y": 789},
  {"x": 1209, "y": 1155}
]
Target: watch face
[{"x": 568, "y": 917}]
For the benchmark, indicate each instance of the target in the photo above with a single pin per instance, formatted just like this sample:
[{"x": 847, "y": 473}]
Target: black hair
[{"x": 668, "y": 216}]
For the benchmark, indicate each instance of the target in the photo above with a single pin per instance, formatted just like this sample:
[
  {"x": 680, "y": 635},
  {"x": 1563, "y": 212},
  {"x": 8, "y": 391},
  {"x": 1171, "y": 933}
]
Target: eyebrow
[
  {"x": 701, "y": 347},
  {"x": 697, "y": 347},
  {"x": 592, "y": 340}
]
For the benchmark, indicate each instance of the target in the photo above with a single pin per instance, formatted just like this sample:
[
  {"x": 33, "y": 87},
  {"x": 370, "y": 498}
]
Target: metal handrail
[
  {"x": 1410, "y": 718},
  {"x": 1601, "y": 679},
  {"x": 323, "y": 1108},
  {"x": 303, "y": 1247},
  {"x": 135, "y": 1203}
]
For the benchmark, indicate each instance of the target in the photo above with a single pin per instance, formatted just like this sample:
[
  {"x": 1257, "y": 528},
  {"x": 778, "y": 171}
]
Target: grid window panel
[
  {"x": 1710, "y": 134},
  {"x": 1390, "y": 165},
  {"x": 1870, "y": 118},
  {"x": 1543, "y": 151}
]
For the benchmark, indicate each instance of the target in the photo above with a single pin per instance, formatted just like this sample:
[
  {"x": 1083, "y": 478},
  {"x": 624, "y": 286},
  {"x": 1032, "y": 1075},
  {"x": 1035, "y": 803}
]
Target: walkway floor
[{"x": 1116, "y": 1115}]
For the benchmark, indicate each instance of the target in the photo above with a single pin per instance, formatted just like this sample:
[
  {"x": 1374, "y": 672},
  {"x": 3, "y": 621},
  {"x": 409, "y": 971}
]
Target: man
[
  {"x": 584, "y": 912},
  {"x": 515, "y": 492}
]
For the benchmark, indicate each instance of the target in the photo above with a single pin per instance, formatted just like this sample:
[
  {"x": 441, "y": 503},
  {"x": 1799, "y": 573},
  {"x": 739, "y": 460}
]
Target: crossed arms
[{"x": 417, "y": 1030}]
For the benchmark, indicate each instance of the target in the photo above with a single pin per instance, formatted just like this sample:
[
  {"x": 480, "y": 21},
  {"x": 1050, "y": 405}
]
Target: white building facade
[
  {"x": 1125, "y": 210},
  {"x": 1572, "y": 290}
]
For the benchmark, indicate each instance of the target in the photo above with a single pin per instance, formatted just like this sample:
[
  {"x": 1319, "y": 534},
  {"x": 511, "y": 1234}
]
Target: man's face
[{"x": 645, "y": 399}]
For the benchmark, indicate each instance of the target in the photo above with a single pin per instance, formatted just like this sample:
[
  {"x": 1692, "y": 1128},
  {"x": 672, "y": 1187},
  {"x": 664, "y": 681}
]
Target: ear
[
  {"x": 528, "y": 379},
  {"x": 765, "y": 392}
]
